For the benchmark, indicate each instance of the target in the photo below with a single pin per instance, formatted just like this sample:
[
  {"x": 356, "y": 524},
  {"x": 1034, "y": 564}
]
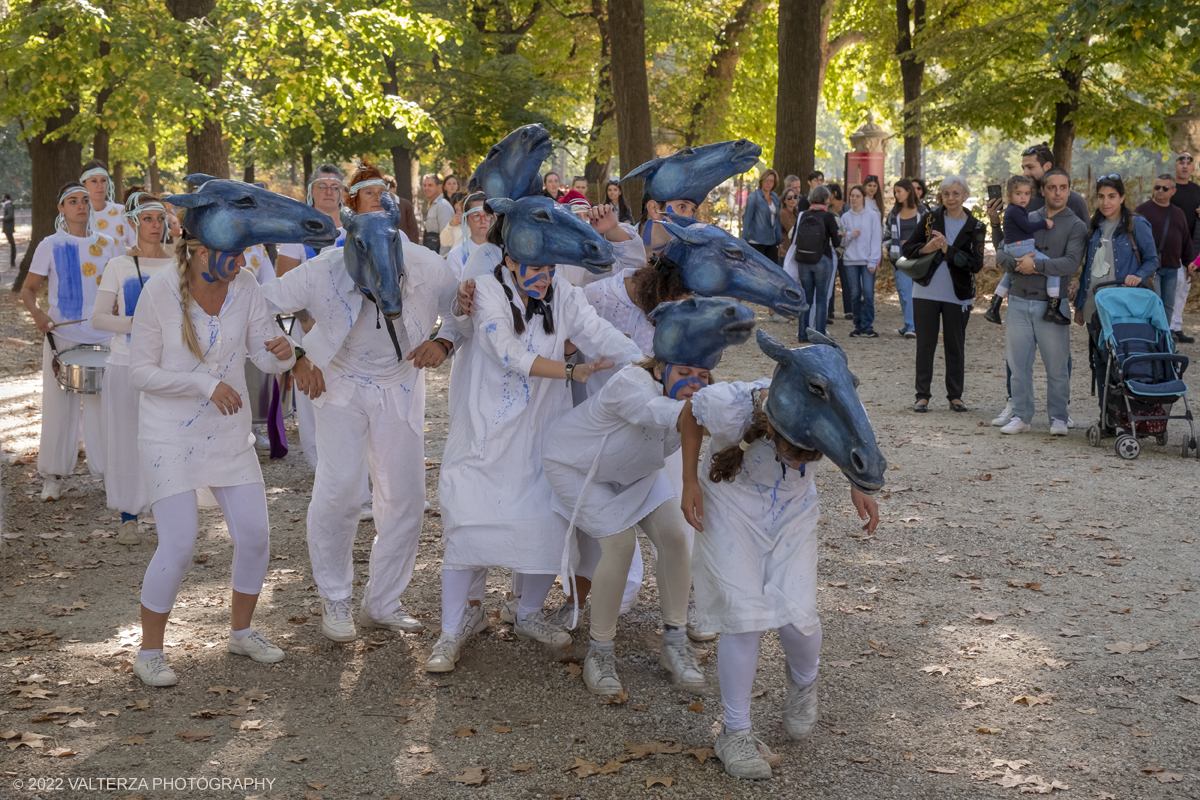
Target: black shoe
[
  {"x": 960, "y": 407},
  {"x": 1054, "y": 312},
  {"x": 869, "y": 333},
  {"x": 1182, "y": 338},
  {"x": 993, "y": 312},
  {"x": 847, "y": 315},
  {"x": 856, "y": 333},
  {"x": 921, "y": 408}
]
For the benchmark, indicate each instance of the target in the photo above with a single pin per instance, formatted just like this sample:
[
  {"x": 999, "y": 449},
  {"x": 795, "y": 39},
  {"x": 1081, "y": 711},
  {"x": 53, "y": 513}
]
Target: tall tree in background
[
  {"x": 631, "y": 97},
  {"x": 206, "y": 149},
  {"x": 910, "y": 20},
  {"x": 711, "y": 105},
  {"x": 799, "y": 89}
]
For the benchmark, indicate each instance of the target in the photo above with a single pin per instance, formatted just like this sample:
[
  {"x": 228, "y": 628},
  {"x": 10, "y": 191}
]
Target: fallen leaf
[
  {"x": 64, "y": 710},
  {"x": 318, "y": 785},
  {"x": 936, "y": 668},
  {"x": 620, "y": 698},
  {"x": 79, "y": 723},
  {"x": 471, "y": 776},
  {"x": 986, "y": 619},
  {"x": 296, "y": 759},
  {"x": 1191, "y": 698},
  {"x": 256, "y": 694},
  {"x": 942, "y": 771},
  {"x": 1033, "y": 700},
  {"x": 520, "y": 767},
  {"x": 1169, "y": 777},
  {"x": 574, "y": 670},
  {"x": 138, "y": 705},
  {"x": 702, "y": 754},
  {"x": 501, "y": 729},
  {"x": 988, "y": 731},
  {"x": 110, "y": 713},
  {"x": 981, "y": 681},
  {"x": 1122, "y": 648},
  {"x": 463, "y": 732},
  {"x": 1142, "y": 734},
  {"x": 860, "y": 759},
  {"x": 418, "y": 749},
  {"x": 967, "y": 705},
  {"x": 697, "y": 706},
  {"x": 246, "y": 724},
  {"x": 651, "y": 782},
  {"x": 59, "y": 752},
  {"x": 660, "y": 747},
  {"x": 222, "y": 690},
  {"x": 195, "y": 736},
  {"x": 584, "y": 768},
  {"x": 132, "y": 740}
]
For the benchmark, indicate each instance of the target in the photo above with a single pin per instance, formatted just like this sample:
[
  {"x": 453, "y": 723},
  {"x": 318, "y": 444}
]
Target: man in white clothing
[{"x": 368, "y": 390}]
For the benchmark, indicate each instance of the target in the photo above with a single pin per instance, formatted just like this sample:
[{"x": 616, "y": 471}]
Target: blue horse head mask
[
  {"x": 511, "y": 166},
  {"x": 231, "y": 216},
  {"x": 374, "y": 254},
  {"x": 537, "y": 232},
  {"x": 693, "y": 172},
  {"x": 695, "y": 331},
  {"x": 714, "y": 264},
  {"x": 813, "y": 403}
]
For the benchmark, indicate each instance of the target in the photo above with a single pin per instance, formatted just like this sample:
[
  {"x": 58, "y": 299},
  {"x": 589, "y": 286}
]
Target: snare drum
[{"x": 81, "y": 369}]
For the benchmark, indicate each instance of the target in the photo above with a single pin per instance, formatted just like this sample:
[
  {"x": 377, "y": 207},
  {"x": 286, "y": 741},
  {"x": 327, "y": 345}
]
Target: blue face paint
[
  {"x": 675, "y": 387},
  {"x": 221, "y": 264},
  {"x": 530, "y": 285}
]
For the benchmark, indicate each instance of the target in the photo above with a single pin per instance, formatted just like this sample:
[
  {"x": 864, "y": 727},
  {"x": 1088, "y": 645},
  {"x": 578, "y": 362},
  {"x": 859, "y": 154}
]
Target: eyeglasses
[
  {"x": 1113, "y": 177},
  {"x": 1163, "y": 188},
  {"x": 1185, "y": 159},
  {"x": 1033, "y": 151}
]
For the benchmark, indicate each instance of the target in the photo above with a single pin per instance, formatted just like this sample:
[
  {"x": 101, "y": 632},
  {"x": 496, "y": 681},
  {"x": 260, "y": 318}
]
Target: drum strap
[
  {"x": 391, "y": 329},
  {"x": 138, "y": 267}
]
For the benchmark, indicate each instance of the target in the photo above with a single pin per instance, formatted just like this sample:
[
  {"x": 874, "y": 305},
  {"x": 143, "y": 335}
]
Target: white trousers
[
  {"x": 63, "y": 415},
  {"x": 245, "y": 510},
  {"x": 307, "y": 425},
  {"x": 123, "y": 481},
  {"x": 1182, "y": 287},
  {"x": 737, "y": 662},
  {"x": 368, "y": 430}
]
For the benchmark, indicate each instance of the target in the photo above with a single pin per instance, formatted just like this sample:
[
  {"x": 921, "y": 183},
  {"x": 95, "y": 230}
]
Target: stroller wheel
[
  {"x": 1161, "y": 439},
  {"x": 1187, "y": 445},
  {"x": 1093, "y": 436},
  {"x": 1128, "y": 447}
]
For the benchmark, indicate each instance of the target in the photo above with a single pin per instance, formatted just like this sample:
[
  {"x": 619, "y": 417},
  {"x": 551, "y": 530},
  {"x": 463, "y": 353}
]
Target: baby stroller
[{"x": 1136, "y": 370}]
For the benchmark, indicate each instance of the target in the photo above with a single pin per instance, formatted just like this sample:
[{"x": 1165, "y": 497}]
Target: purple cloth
[{"x": 275, "y": 430}]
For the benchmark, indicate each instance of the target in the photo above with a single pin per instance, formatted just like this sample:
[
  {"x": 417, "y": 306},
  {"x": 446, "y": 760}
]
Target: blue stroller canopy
[{"x": 1130, "y": 304}]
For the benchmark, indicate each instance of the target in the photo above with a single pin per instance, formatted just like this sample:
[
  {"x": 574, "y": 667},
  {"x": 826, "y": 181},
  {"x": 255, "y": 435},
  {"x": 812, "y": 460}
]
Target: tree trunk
[
  {"x": 912, "y": 76},
  {"x": 117, "y": 176},
  {"x": 308, "y": 168},
  {"x": 100, "y": 147},
  {"x": 100, "y": 140},
  {"x": 248, "y": 173},
  {"x": 631, "y": 97},
  {"x": 599, "y": 159},
  {"x": 1064, "y": 124},
  {"x": 52, "y": 163},
  {"x": 152, "y": 168},
  {"x": 207, "y": 152},
  {"x": 402, "y": 169},
  {"x": 799, "y": 89},
  {"x": 712, "y": 99}
]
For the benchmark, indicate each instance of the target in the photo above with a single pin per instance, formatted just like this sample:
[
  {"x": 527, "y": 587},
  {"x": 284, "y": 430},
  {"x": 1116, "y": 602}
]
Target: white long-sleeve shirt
[
  {"x": 185, "y": 440},
  {"x": 122, "y": 284}
]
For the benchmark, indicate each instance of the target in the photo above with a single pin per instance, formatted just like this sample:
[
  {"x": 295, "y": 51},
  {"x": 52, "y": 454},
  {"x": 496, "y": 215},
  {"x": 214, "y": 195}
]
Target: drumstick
[{"x": 67, "y": 322}]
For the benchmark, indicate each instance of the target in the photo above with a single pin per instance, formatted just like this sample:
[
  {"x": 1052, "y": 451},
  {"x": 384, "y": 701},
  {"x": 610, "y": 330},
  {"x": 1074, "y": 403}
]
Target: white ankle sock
[
  {"x": 244, "y": 632},
  {"x": 144, "y": 654}
]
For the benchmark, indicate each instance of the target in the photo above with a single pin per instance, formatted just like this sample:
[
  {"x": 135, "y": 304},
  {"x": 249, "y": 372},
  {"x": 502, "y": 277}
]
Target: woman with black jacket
[{"x": 942, "y": 299}]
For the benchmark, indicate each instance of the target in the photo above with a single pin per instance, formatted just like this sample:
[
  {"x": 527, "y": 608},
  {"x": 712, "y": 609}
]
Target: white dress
[
  {"x": 124, "y": 485},
  {"x": 185, "y": 441},
  {"x": 112, "y": 223},
  {"x": 494, "y": 496},
  {"x": 754, "y": 566},
  {"x": 604, "y": 459}
]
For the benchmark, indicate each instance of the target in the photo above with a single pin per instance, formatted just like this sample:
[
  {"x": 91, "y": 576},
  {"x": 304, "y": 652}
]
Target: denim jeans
[
  {"x": 1025, "y": 335},
  {"x": 814, "y": 279},
  {"x": 904, "y": 286},
  {"x": 847, "y": 300},
  {"x": 861, "y": 285},
  {"x": 1165, "y": 281}
]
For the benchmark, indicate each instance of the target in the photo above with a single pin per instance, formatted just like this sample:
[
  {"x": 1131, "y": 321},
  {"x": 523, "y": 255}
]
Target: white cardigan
[{"x": 868, "y": 245}]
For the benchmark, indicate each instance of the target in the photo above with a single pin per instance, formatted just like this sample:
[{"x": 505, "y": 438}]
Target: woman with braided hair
[{"x": 509, "y": 385}]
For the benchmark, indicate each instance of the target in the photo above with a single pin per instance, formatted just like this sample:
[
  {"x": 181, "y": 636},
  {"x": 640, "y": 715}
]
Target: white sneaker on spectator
[
  {"x": 1070, "y": 422},
  {"x": 743, "y": 754},
  {"x": 1058, "y": 427},
  {"x": 1005, "y": 416},
  {"x": 337, "y": 623},
  {"x": 154, "y": 671},
  {"x": 1015, "y": 426},
  {"x": 537, "y": 627},
  {"x": 255, "y": 645},
  {"x": 52, "y": 488}
]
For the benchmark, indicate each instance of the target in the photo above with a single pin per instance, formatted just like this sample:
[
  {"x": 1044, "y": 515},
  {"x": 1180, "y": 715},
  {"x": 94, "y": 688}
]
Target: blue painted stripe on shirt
[{"x": 70, "y": 280}]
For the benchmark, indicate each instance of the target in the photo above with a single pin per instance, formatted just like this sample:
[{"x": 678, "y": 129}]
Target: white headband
[
  {"x": 324, "y": 176},
  {"x": 353, "y": 190},
  {"x": 94, "y": 171},
  {"x": 60, "y": 220},
  {"x": 70, "y": 190}
]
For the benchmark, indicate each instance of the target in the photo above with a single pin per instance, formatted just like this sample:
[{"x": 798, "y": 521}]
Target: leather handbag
[{"x": 918, "y": 268}]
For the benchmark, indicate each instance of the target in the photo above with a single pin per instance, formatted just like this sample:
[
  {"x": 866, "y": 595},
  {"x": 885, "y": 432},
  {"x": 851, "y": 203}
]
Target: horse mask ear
[
  {"x": 501, "y": 205},
  {"x": 347, "y": 217},
  {"x": 684, "y": 234},
  {"x": 198, "y": 178},
  {"x": 389, "y": 205},
  {"x": 193, "y": 200},
  {"x": 775, "y": 349},
  {"x": 820, "y": 338}
]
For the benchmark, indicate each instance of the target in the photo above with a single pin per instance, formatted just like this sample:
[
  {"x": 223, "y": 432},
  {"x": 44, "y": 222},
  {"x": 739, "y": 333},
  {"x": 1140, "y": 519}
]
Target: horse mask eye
[
  {"x": 817, "y": 387},
  {"x": 245, "y": 201},
  {"x": 735, "y": 253}
]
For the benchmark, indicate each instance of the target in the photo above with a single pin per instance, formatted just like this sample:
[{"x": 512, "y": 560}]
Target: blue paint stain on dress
[
  {"x": 70, "y": 280},
  {"x": 132, "y": 290}
]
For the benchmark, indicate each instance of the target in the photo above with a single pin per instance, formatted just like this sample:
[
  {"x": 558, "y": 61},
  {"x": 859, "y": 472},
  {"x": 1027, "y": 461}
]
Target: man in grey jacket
[{"x": 1025, "y": 331}]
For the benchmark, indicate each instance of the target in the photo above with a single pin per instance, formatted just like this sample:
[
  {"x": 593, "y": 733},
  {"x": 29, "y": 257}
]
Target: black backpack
[{"x": 810, "y": 237}]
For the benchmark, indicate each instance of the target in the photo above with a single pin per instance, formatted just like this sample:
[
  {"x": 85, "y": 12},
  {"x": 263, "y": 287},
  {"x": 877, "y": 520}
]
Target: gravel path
[{"x": 1024, "y": 620}]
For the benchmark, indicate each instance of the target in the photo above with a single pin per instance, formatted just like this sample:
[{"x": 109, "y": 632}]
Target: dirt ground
[{"x": 1023, "y": 621}]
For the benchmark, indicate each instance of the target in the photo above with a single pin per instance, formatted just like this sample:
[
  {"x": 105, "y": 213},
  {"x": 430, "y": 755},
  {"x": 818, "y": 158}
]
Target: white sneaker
[
  {"x": 261, "y": 442},
  {"x": 680, "y": 660},
  {"x": 537, "y": 627},
  {"x": 600, "y": 672},
  {"x": 52, "y": 489},
  {"x": 473, "y": 622},
  {"x": 337, "y": 623},
  {"x": 508, "y": 609},
  {"x": 1005, "y": 416},
  {"x": 743, "y": 755},
  {"x": 446, "y": 651},
  {"x": 398, "y": 620},
  {"x": 154, "y": 671},
  {"x": 1070, "y": 422},
  {"x": 366, "y": 513},
  {"x": 428, "y": 506},
  {"x": 800, "y": 709},
  {"x": 1058, "y": 427},
  {"x": 1015, "y": 426},
  {"x": 127, "y": 533},
  {"x": 693, "y": 626},
  {"x": 564, "y": 615},
  {"x": 255, "y": 645}
]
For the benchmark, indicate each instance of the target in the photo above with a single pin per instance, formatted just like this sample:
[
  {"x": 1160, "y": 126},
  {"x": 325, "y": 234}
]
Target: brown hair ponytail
[
  {"x": 183, "y": 264},
  {"x": 727, "y": 463}
]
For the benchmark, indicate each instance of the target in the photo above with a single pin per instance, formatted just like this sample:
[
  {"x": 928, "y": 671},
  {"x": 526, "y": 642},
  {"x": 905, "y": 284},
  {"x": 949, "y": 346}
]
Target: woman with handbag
[
  {"x": 903, "y": 220},
  {"x": 943, "y": 258}
]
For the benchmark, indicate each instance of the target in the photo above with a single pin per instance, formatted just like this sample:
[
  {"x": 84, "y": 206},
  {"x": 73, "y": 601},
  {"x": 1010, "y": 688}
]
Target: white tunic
[
  {"x": 185, "y": 440},
  {"x": 604, "y": 459},
  {"x": 75, "y": 266},
  {"x": 112, "y": 223},
  {"x": 258, "y": 264},
  {"x": 121, "y": 278},
  {"x": 754, "y": 566},
  {"x": 612, "y": 302},
  {"x": 302, "y": 252},
  {"x": 496, "y": 502}
]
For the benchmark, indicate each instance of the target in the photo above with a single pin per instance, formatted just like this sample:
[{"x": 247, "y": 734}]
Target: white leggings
[
  {"x": 737, "y": 661},
  {"x": 460, "y": 586},
  {"x": 667, "y": 529},
  {"x": 245, "y": 510}
]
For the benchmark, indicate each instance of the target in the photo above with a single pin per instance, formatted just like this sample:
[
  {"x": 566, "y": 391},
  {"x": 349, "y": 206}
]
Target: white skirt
[{"x": 123, "y": 481}]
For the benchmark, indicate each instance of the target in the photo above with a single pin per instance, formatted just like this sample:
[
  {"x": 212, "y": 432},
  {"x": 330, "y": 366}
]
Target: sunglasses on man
[
  {"x": 1184, "y": 158},
  {"x": 1033, "y": 151},
  {"x": 1163, "y": 188}
]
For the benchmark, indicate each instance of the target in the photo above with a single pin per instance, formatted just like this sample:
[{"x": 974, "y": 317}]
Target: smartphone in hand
[{"x": 995, "y": 192}]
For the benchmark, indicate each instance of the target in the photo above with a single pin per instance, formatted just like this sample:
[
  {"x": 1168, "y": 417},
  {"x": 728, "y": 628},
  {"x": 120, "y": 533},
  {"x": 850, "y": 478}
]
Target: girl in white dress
[
  {"x": 192, "y": 331},
  {"x": 605, "y": 459},
  {"x": 116, "y": 300},
  {"x": 754, "y": 564},
  {"x": 107, "y": 213},
  {"x": 510, "y": 383},
  {"x": 73, "y": 259}
]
